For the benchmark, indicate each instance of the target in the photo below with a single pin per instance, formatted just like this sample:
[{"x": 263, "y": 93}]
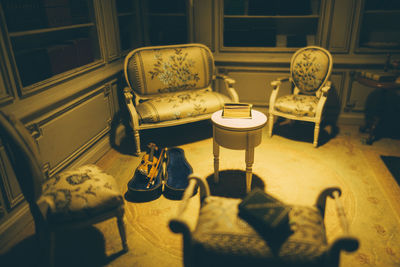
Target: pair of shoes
[{"x": 171, "y": 177}]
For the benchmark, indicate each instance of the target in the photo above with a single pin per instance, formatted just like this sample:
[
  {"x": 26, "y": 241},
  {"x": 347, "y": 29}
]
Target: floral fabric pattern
[
  {"x": 298, "y": 105},
  {"x": 221, "y": 230},
  {"x": 176, "y": 72},
  {"x": 80, "y": 193},
  {"x": 178, "y": 105},
  {"x": 162, "y": 70},
  {"x": 309, "y": 70}
]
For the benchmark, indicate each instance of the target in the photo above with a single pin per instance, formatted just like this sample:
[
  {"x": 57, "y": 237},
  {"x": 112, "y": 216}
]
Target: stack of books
[
  {"x": 379, "y": 76},
  {"x": 237, "y": 110},
  {"x": 265, "y": 212}
]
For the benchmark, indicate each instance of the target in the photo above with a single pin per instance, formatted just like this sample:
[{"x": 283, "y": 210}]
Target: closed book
[
  {"x": 384, "y": 77},
  {"x": 379, "y": 76},
  {"x": 236, "y": 110},
  {"x": 264, "y": 211}
]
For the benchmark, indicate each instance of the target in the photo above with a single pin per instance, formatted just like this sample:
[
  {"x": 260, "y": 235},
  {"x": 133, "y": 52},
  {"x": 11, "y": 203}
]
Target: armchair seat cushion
[
  {"x": 220, "y": 231},
  {"x": 80, "y": 194},
  {"x": 181, "y": 104},
  {"x": 297, "y": 105}
]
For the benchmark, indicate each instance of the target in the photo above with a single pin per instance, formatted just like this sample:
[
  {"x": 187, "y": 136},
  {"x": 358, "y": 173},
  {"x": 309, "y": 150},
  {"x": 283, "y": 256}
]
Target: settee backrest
[{"x": 163, "y": 69}]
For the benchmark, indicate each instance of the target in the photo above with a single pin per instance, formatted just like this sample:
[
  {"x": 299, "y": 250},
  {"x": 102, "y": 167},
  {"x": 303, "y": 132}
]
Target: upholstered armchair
[
  {"x": 171, "y": 85},
  {"x": 73, "y": 198},
  {"x": 310, "y": 69},
  {"x": 220, "y": 237}
]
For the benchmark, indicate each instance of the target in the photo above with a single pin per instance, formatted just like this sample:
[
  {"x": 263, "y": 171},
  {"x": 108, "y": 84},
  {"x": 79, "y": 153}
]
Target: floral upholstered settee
[{"x": 171, "y": 85}]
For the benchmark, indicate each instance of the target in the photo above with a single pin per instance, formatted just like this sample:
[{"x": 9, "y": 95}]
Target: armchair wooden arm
[
  {"x": 276, "y": 83},
  {"x": 326, "y": 87},
  {"x": 228, "y": 86},
  {"x": 322, "y": 100}
]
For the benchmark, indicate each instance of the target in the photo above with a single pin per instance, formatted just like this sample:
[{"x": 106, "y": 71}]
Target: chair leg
[
  {"x": 137, "y": 141},
  {"x": 122, "y": 231},
  {"x": 46, "y": 243},
  {"x": 316, "y": 134},
  {"x": 52, "y": 249},
  {"x": 270, "y": 124}
]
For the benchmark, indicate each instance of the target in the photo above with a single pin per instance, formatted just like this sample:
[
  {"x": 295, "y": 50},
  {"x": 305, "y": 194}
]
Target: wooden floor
[{"x": 20, "y": 253}]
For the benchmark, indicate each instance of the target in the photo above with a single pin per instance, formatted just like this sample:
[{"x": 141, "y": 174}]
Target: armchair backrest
[
  {"x": 171, "y": 68},
  {"x": 23, "y": 153},
  {"x": 310, "y": 68}
]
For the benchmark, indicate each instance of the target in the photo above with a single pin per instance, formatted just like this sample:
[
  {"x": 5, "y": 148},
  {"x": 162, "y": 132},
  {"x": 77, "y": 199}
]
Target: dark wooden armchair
[{"x": 73, "y": 198}]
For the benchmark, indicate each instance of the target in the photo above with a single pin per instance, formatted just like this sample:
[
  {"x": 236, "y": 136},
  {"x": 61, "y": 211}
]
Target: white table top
[{"x": 258, "y": 120}]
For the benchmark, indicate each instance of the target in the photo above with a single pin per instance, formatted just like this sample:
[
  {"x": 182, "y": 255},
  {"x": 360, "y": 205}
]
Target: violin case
[
  {"x": 177, "y": 173},
  {"x": 171, "y": 179},
  {"x": 137, "y": 187}
]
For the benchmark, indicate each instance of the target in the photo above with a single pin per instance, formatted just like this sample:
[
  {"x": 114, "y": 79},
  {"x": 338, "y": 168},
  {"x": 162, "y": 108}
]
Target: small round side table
[{"x": 237, "y": 134}]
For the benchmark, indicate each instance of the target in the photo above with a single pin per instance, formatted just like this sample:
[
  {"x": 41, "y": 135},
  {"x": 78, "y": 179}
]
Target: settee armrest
[
  {"x": 180, "y": 222},
  {"x": 228, "y": 86},
  {"x": 129, "y": 101},
  {"x": 345, "y": 241}
]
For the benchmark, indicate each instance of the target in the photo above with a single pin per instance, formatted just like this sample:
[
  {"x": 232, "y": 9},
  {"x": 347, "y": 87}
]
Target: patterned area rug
[{"x": 292, "y": 170}]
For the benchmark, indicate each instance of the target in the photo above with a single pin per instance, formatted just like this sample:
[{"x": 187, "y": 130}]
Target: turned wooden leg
[
  {"x": 270, "y": 124},
  {"x": 122, "y": 232},
  {"x": 249, "y": 158},
  {"x": 137, "y": 141},
  {"x": 216, "y": 161},
  {"x": 51, "y": 249},
  {"x": 316, "y": 134}
]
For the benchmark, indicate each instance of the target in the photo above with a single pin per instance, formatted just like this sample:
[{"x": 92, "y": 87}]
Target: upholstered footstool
[
  {"x": 220, "y": 231},
  {"x": 222, "y": 238}
]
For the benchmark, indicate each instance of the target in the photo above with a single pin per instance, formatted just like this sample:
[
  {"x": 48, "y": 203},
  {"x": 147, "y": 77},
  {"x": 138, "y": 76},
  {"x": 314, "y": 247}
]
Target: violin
[
  {"x": 149, "y": 161},
  {"x": 154, "y": 171}
]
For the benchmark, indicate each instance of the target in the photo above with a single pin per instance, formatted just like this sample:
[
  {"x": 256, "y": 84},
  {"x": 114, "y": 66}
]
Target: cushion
[
  {"x": 178, "y": 105},
  {"x": 154, "y": 70},
  {"x": 297, "y": 105},
  {"x": 220, "y": 231},
  {"x": 81, "y": 194},
  {"x": 310, "y": 68}
]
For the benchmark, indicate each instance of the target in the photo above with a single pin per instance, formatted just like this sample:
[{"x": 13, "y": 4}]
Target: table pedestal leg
[
  {"x": 216, "y": 161},
  {"x": 249, "y": 163}
]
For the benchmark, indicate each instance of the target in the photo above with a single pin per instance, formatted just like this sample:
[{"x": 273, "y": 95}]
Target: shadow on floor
[
  {"x": 166, "y": 136},
  {"x": 304, "y": 131},
  {"x": 80, "y": 247},
  {"x": 393, "y": 165},
  {"x": 232, "y": 183}
]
